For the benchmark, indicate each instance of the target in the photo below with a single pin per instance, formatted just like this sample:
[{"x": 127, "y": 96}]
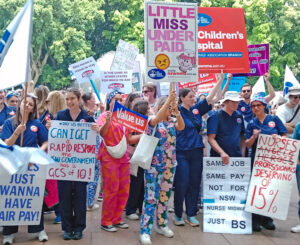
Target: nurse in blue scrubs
[
  {"x": 262, "y": 123},
  {"x": 5, "y": 111},
  {"x": 35, "y": 135}
]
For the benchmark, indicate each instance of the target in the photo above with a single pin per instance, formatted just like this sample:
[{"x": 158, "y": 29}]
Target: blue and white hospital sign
[{"x": 21, "y": 196}]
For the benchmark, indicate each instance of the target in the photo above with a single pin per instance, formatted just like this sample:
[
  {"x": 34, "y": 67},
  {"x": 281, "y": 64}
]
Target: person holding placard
[
  {"x": 114, "y": 157},
  {"x": 34, "y": 135},
  {"x": 159, "y": 178},
  {"x": 262, "y": 123},
  {"x": 189, "y": 152},
  {"x": 72, "y": 194}
]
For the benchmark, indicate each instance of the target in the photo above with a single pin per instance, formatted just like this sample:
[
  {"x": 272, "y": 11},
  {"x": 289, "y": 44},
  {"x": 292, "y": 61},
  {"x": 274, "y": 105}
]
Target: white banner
[
  {"x": 72, "y": 145},
  {"x": 116, "y": 80},
  {"x": 224, "y": 196},
  {"x": 125, "y": 57},
  {"x": 171, "y": 42},
  {"x": 22, "y": 195},
  {"x": 273, "y": 176}
]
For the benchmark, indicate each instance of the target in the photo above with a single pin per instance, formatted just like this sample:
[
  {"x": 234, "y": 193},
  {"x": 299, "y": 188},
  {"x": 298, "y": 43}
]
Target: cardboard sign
[
  {"x": 129, "y": 118},
  {"x": 224, "y": 195},
  {"x": 171, "y": 41},
  {"x": 72, "y": 145},
  {"x": 203, "y": 79},
  {"x": 273, "y": 176},
  {"x": 259, "y": 58},
  {"x": 85, "y": 70},
  {"x": 21, "y": 196},
  {"x": 124, "y": 58},
  {"x": 222, "y": 41},
  {"x": 116, "y": 80}
]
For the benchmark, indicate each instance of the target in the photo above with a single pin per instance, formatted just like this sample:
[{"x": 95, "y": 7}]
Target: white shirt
[{"x": 286, "y": 113}]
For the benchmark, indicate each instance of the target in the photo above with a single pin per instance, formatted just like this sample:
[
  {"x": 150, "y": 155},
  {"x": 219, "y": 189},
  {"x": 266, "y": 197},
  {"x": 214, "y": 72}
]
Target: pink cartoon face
[
  {"x": 186, "y": 61},
  {"x": 185, "y": 65}
]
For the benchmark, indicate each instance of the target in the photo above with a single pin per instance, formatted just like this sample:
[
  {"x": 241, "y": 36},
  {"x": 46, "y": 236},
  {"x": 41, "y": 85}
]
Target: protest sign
[
  {"x": 84, "y": 71},
  {"x": 21, "y": 196},
  {"x": 72, "y": 145},
  {"x": 124, "y": 58},
  {"x": 203, "y": 79},
  {"x": 116, "y": 80},
  {"x": 235, "y": 83},
  {"x": 222, "y": 41},
  {"x": 259, "y": 59},
  {"x": 273, "y": 176},
  {"x": 224, "y": 195},
  {"x": 136, "y": 77},
  {"x": 129, "y": 118},
  {"x": 171, "y": 41}
]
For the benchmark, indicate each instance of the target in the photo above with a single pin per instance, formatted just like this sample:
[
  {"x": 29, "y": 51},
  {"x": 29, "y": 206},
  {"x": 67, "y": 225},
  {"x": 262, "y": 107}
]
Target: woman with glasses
[
  {"x": 34, "y": 135},
  {"x": 149, "y": 94},
  {"x": 262, "y": 123}
]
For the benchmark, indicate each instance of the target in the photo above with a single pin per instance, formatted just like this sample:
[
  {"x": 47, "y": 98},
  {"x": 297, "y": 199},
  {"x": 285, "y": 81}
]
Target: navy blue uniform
[
  {"x": 45, "y": 117},
  {"x": 189, "y": 156},
  {"x": 72, "y": 194},
  {"x": 7, "y": 112},
  {"x": 245, "y": 110},
  {"x": 228, "y": 130}
]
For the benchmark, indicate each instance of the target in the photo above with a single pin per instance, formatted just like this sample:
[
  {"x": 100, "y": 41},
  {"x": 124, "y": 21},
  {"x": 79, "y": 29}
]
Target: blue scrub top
[
  {"x": 7, "y": 112},
  {"x": 228, "y": 130},
  {"x": 34, "y": 135},
  {"x": 271, "y": 125},
  {"x": 189, "y": 138},
  {"x": 45, "y": 117},
  {"x": 64, "y": 115},
  {"x": 246, "y": 111},
  {"x": 296, "y": 134}
]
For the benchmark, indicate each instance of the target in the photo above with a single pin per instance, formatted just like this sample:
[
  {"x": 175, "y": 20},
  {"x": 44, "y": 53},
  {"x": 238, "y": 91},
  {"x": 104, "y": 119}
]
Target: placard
[
  {"x": 203, "y": 79},
  {"x": 224, "y": 195},
  {"x": 116, "y": 80},
  {"x": 171, "y": 41},
  {"x": 273, "y": 176},
  {"x": 129, "y": 118},
  {"x": 21, "y": 196},
  {"x": 136, "y": 77},
  {"x": 125, "y": 56},
  {"x": 222, "y": 41},
  {"x": 259, "y": 58},
  {"x": 72, "y": 145}
]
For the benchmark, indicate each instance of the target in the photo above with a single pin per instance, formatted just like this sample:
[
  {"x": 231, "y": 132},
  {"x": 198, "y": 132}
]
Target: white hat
[
  {"x": 295, "y": 90},
  {"x": 231, "y": 95}
]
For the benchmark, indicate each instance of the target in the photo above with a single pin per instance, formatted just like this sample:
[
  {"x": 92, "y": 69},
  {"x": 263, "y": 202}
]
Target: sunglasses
[
  {"x": 146, "y": 91},
  {"x": 258, "y": 105},
  {"x": 295, "y": 96},
  {"x": 246, "y": 91}
]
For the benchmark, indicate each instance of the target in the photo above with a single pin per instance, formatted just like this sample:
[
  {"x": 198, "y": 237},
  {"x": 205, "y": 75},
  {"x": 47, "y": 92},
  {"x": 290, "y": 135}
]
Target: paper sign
[
  {"x": 224, "y": 195},
  {"x": 222, "y": 41},
  {"x": 116, "y": 80},
  {"x": 259, "y": 59},
  {"x": 171, "y": 41},
  {"x": 125, "y": 56},
  {"x": 21, "y": 196},
  {"x": 136, "y": 77},
  {"x": 273, "y": 176},
  {"x": 129, "y": 118},
  {"x": 235, "y": 83},
  {"x": 203, "y": 79},
  {"x": 72, "y": 145}
]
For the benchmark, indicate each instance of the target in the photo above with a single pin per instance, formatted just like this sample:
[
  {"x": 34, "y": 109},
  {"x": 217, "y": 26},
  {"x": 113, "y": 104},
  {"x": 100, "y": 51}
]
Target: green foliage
[{"x": 66, "y": 31}]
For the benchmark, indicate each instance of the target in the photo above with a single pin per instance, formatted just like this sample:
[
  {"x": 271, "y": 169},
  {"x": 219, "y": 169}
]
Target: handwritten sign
[
  {"x": 171, "y": 41},
  {"x": 116, "y": 80},
  {"x": 129, "y": 118},
  {"x": 72, "y": 145},
  {"x": 224, "y": 196},
  {"x": 273, "y": 176},
  {"x": 21, "y": 196},
  {"x": 222, "y": 41},
  {"x": 125, "y": 56},
  {"x": 259, "y": 58}
]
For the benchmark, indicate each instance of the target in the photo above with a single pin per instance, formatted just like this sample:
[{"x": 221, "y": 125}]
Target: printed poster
[
  {"x": 273, "y": 176},
  {"x": 224, "y": 195},
  {"x": 72, "y": 145},
  {"x": 203, "y": 79},
  {"x": 116, "y": 80},
  {"x": 22, "y": 195},
  {"x": 171, "y": 42},
  {"x": 222, "y": 41}
]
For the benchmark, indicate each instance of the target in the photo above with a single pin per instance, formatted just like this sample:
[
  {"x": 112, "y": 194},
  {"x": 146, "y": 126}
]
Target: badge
[
  {"x": 271, "y": 124},
  {"x": 47, "y": 117},
  {"x": 12, "y": 113},
  {"x": 82, "y": 120},
  {"x": 243, "y": 109},
  {"x": 34, "y": 129},
  {"x": 195, "y": 111},
  {"x": 239, "y": 120}
]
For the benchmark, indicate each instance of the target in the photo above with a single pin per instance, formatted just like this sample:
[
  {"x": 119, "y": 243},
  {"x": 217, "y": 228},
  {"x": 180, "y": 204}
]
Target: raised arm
[
  {"x": 271, "y": 90},
  {"x": 215, "y": 93}
]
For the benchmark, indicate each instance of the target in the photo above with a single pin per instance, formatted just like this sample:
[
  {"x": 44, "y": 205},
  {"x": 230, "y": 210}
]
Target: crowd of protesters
[{"x": 189, "y": 126}]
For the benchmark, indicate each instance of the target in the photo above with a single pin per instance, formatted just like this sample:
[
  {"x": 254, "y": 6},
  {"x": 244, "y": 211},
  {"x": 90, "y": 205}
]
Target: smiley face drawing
[{"x": 162, "y": 61}]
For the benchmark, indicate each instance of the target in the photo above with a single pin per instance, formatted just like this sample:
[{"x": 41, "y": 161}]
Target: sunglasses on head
[{"x": 246, "y": 91}]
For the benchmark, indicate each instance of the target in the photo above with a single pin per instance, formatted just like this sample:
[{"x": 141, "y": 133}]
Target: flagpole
[{"x": 24, "y": 120}]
